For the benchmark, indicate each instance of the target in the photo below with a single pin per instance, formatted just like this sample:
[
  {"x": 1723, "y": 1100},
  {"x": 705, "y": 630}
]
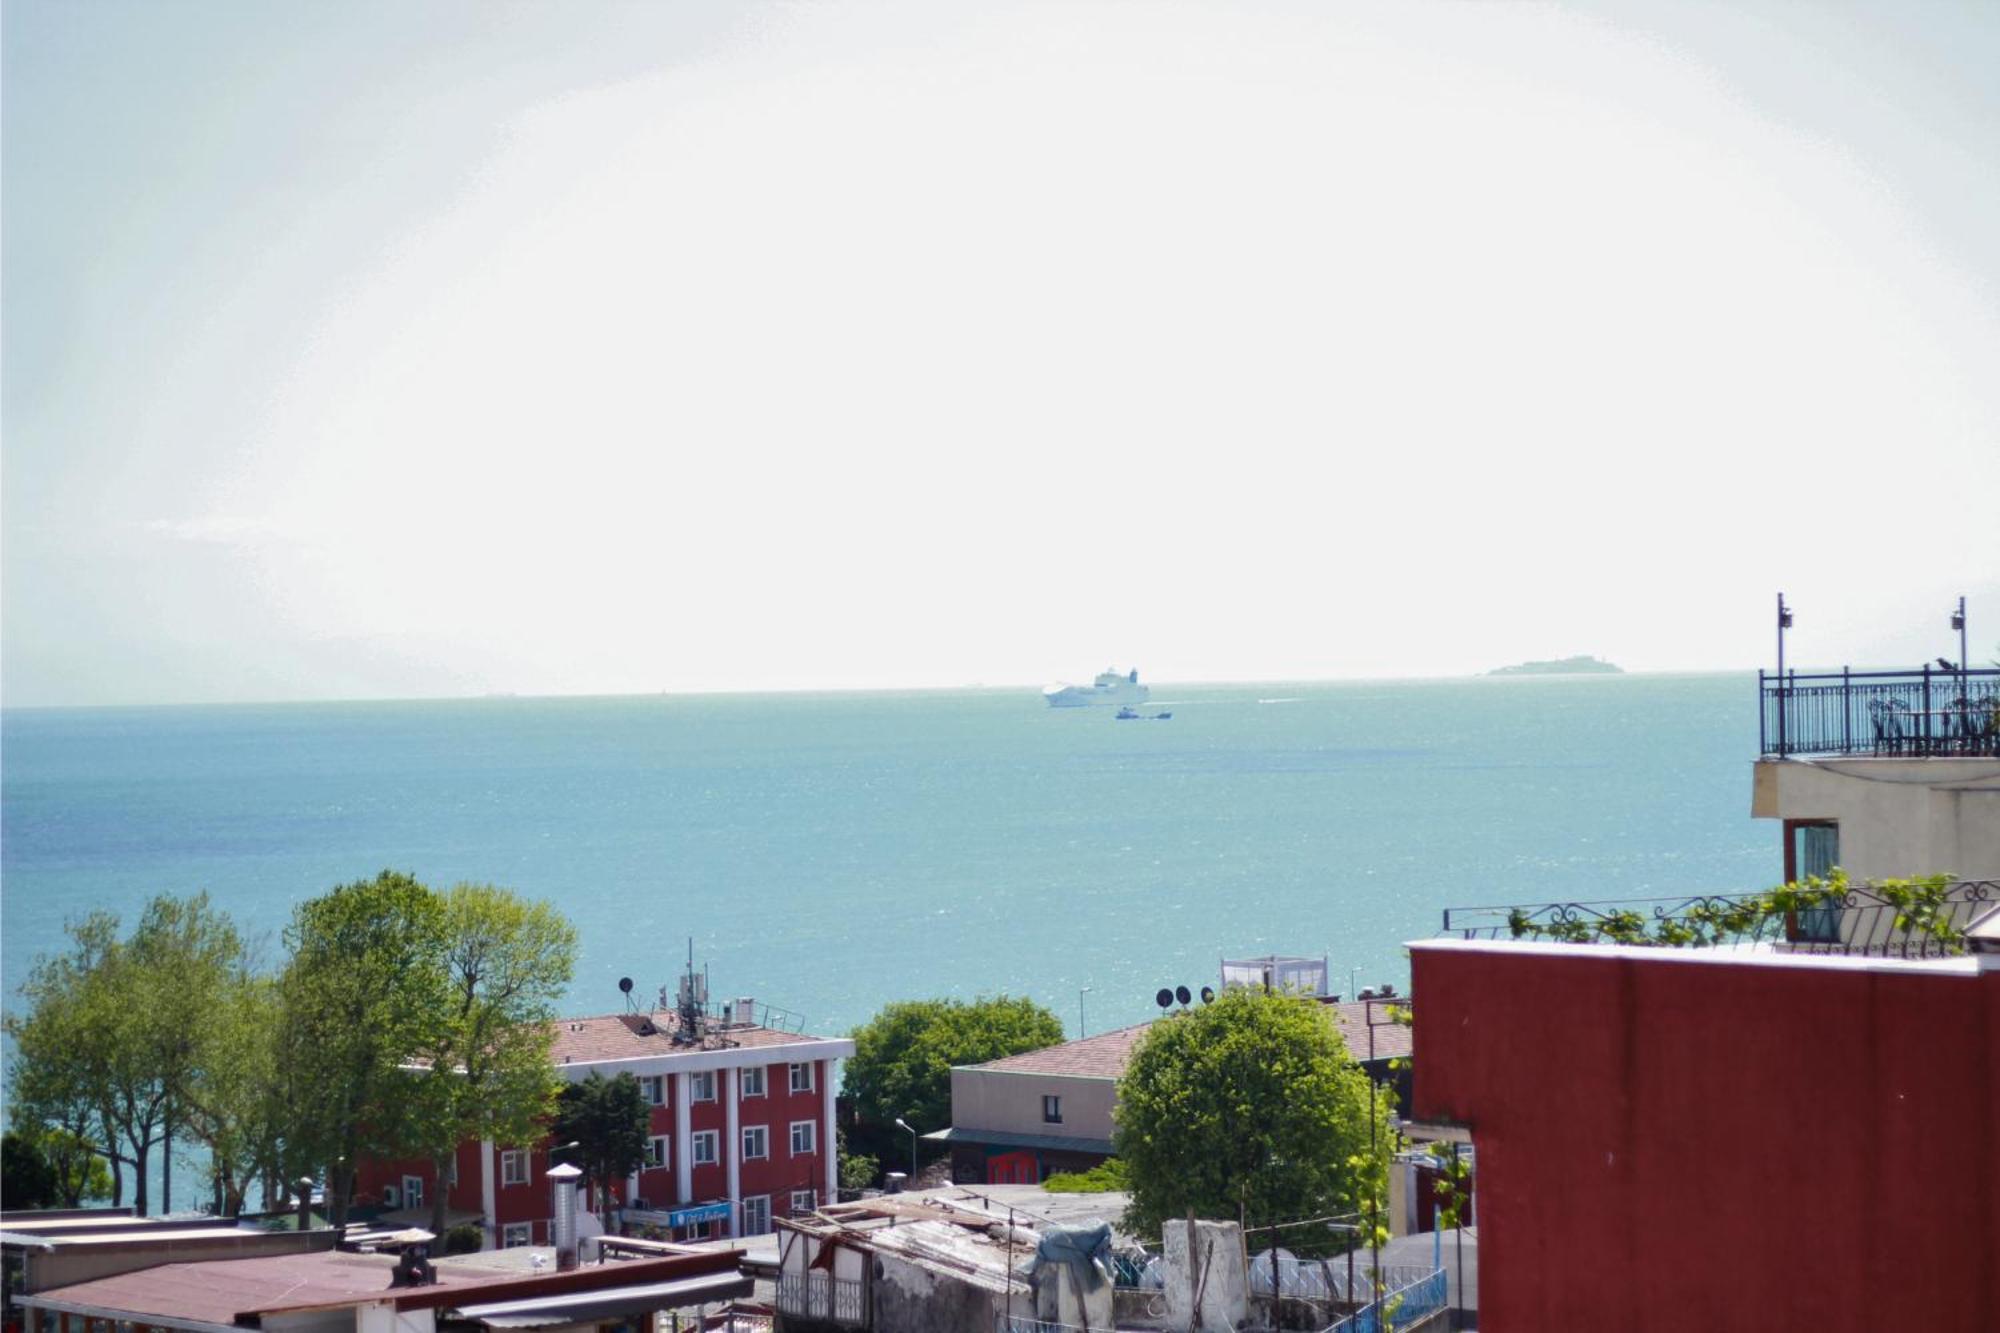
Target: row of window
[
  {"x": 707, "y": 1144},
  {"x": 756, "y": 1218},
  {"x": 701, "y": 1086}
]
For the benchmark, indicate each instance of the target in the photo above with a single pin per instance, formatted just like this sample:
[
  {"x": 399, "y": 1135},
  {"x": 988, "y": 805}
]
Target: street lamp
[
  {"x": 1784, "y": 623},
  {"x": 901, "y": 1124},
  {"x": 1081, "y": 1031},
  {"x": 1958, "y": 623}
]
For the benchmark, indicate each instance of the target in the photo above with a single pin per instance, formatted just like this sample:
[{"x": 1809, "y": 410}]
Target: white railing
[{"x": 821, "y": 1296}]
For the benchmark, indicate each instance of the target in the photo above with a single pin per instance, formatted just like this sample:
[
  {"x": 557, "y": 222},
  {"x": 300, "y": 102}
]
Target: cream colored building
[{"x": 1883, "y": 817}]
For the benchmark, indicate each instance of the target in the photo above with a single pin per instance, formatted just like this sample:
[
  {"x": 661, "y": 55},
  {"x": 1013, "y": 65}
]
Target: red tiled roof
[
  {"x": 1105, "y": 1055},
  {"x": 217, "y": 1291},
  {"x": 633, "y": 1036}
]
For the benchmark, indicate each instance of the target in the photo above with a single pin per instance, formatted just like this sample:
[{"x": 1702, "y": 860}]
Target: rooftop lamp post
[
  {"x": 1784, "y": 623},
  {"x": 901, "y": 1124},
  {"x": 1958, "y": 623}
]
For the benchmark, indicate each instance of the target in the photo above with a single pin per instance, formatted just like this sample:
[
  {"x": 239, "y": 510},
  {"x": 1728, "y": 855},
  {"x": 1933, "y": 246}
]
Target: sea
[{"x": 831, "y": 853}]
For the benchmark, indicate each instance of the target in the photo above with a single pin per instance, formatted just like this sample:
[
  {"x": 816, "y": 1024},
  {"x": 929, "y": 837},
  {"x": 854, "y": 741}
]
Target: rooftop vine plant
[{"x": 1923, "y": 910}]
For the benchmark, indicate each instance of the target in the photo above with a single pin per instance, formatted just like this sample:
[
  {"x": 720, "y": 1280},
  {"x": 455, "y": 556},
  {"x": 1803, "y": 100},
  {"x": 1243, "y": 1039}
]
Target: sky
[{"x": 389, "y": 350}]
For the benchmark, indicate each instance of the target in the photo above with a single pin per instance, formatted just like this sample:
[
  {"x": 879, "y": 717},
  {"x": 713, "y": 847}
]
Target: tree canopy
[
  {"x": 1253, "y": 1103},
  {"x": 607, "y": 1119},
  {"x": 901, "y": 1066}
]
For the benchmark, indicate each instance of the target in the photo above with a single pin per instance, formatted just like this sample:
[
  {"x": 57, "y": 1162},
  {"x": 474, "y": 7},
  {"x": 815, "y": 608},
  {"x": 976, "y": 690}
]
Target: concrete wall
[
  {"x": 996, "y": 1099},
  {"x": 1676, "y": 1139},
  {"x": 1897, "y": 817},
  {"x": 913, "y": 1299}
]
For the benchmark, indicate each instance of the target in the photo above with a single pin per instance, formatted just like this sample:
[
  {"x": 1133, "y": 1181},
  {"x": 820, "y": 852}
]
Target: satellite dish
[
  {"x": 1181, "y": 994},
  {"x": 1164, "y": 998},
  {"x": 625, "y": 984},
  {"x": 1208, "y": 995}
]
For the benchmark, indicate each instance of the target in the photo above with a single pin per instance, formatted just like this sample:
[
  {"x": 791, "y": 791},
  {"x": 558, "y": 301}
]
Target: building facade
[
  {"x": 1719, "y": 1138},
  {"x": 742, "y": 1131}
]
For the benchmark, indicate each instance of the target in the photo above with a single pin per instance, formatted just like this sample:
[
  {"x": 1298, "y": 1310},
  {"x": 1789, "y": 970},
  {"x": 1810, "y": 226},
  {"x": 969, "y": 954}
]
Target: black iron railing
[
  {"x": 1931, "y": 712},
  {"x": 1895, "y": 919}
]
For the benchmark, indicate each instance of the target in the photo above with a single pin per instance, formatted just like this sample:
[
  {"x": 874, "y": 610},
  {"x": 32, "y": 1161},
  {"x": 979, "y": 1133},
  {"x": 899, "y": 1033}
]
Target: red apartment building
[{"x": 742, "y": 1131}]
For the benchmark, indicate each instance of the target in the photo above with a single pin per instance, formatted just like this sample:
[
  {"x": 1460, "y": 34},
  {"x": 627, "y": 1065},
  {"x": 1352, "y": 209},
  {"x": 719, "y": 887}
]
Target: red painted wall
[
  {"x": 1667, "y": 1143},
  {"x": 781, "y": 1173}
]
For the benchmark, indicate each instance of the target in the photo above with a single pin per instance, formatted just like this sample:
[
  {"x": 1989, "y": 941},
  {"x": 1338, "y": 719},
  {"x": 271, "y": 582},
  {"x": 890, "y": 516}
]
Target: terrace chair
[{"x": 1888, "y": 730}]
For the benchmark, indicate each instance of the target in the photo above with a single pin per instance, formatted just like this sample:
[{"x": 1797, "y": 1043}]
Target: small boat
[
  {"x": 1126, "y": 714},
  {"x": 1129, "y": 714}
]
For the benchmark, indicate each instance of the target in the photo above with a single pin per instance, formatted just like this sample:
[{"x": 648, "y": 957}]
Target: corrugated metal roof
[{"x": 581, "y": 1306}]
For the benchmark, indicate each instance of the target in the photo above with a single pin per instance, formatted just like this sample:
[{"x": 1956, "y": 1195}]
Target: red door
[{"x": 1013, "y": 1168}]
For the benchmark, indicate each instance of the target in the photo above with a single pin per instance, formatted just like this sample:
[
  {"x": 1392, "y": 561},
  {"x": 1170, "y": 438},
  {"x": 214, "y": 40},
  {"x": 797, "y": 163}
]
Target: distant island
[{"x": 1562, "y": 666}]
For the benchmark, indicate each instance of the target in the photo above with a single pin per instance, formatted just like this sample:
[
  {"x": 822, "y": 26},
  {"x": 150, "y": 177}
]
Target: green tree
[
  {"x": 235, "y": 1101},
  {"x": 26, "y": 1178},
  {"x": 903, "y": 1057},
  {"x": 113, "y": 1027},
  {"x": 1252, "y": 1103},
  {"x": 607, "y": 1119},
  {"x": 508, "y": 962},
  {"x": 359, "y": 996}
]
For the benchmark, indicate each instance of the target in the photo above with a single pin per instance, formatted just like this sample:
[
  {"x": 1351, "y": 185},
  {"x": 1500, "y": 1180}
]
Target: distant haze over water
[{"x": 830, "y": 853}]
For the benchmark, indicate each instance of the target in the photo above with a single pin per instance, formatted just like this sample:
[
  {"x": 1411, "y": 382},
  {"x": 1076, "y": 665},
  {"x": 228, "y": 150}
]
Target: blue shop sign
[{"x": 707, "y": 1212}]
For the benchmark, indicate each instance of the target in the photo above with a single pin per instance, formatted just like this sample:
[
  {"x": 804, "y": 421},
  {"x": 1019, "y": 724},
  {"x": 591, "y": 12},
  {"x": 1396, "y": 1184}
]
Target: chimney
[{"x": 562, "y": 1181}]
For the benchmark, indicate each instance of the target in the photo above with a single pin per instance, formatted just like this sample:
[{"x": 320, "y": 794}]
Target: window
[
  {"x": 701, "y": 1087},
  {"x": 516, "y": 1234},
  {"x": 756, "y": 1142},
  {"x": 805, "y": 1137},
  {"x": 391, "y": 1197},
  {"x": 802, "y": 1078},
  {"x": 1813, "y": 848},
  {"x": 514, "y": 1167},
  {"x": 753, "y": 1081},
  {"x": 656, "y": 1151},
  {"x": 413, "y": 1191},
  {"x": 804, "y": 1201},
  {"x": 654, "y": 1087},
  {"x": 1051, "y": 1110},
  {"x": 756, "y": 1214},
  {"x": 707, "y": 1146}
]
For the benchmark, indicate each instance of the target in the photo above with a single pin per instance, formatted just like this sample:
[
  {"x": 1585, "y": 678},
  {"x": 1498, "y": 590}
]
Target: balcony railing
[
  {"x": 1926, "y": 713},
  {"x": 1900, "y": 919},
  {"x": 823, "y": 1297}
]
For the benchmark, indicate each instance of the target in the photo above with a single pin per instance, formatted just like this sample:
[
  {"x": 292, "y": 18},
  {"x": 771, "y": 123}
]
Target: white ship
[{"x": 1110, "y": 687}]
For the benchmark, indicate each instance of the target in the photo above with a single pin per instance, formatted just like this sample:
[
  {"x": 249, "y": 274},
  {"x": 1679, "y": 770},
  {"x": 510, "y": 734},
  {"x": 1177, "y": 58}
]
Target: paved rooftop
[{"x": 635, "y": 1036}]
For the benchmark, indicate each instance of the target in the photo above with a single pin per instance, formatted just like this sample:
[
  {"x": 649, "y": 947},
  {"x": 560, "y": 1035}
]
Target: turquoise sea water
[{"x": 829, "y": 853}]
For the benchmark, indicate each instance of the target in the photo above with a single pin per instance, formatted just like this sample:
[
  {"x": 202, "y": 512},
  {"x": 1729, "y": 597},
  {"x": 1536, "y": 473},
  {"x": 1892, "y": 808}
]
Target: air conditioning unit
[{"x": 392, "y": 1196}]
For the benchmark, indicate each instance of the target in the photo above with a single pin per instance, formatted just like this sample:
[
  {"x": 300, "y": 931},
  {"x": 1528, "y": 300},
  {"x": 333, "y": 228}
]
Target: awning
[
  {"x": 611, "y": 1303},
  {"x": 1000, "y": 1138}
]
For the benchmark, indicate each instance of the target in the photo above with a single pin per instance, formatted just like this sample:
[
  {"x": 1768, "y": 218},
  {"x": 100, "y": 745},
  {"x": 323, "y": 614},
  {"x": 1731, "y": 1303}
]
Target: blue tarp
[{"x": 1086, "y": 1249}]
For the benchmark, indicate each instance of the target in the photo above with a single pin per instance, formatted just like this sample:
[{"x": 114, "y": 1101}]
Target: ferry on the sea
[{"x": 1110, "y": 687}]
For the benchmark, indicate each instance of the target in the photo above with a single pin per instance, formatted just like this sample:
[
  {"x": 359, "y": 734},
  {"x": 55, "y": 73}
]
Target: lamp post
[
  {"x": 1081, "y": 1031},
  {"x": 1958, "y": 623},
  {"x": 901, "y": 1124},
  {"x": 1784, "y": 623}
]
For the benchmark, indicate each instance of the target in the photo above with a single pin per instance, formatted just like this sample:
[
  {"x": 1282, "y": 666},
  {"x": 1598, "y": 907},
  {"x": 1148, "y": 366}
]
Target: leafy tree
[
  {"x": 235, "y": 1102},
  {"x": 26, "y": 1178},
  {"x": 607, "y": 1119},
  {"x": 110, "y": 1031},
  {"x": 507, "y": 962},
  {"x": 1252, "y": 1103},
  {"x": 359, "y": 996},
  {"x": 902, "y": 1061}
]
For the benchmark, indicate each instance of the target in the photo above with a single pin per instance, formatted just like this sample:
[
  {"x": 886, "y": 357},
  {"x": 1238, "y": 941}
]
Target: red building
[
  {"x": 742, "y": 1131},
  {"x": 1745, "y": 1137}
]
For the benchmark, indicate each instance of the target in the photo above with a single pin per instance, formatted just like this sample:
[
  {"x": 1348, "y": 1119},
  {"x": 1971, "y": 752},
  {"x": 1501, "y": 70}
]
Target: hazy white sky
[{"x": 388, "y": 349}]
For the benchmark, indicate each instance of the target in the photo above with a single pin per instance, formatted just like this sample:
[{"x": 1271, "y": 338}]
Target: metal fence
[
  {"x": 1422, "y": 1294},
  {"x": 1926, "y": 713},
  {"x": 1862, "y": 922},
  {"x": 821, "y": 1296}
]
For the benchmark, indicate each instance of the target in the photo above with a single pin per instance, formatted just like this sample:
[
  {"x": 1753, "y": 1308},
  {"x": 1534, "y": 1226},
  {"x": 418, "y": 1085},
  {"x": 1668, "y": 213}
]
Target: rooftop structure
[{"x": 1021, "y": 1118}]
